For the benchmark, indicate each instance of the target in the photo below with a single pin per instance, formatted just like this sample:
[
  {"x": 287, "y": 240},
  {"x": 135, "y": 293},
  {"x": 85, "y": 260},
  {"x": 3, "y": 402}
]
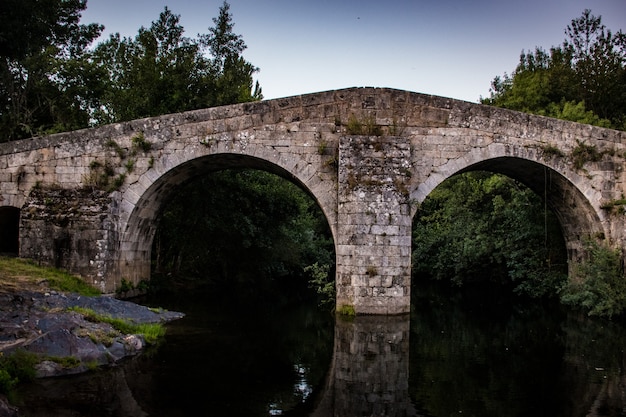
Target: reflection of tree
[
  {"x": 594, "y": 353},
  {"x": 487, "y": 357}
]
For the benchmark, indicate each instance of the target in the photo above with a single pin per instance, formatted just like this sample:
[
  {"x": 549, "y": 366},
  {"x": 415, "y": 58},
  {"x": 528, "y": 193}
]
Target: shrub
[
  {"x": 17, "y": 367},
  {"x": 321, "y": 282},
  {"x": 597, "y": 284},
  {"x": 584, "y": 153}
]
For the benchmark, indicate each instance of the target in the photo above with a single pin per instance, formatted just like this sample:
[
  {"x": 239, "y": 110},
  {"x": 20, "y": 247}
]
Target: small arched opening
[{"x": 9, "y": 230}]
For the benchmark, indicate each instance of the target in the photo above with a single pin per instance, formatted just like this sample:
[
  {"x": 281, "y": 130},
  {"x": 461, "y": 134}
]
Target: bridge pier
[{"x": 374, "y": 225}]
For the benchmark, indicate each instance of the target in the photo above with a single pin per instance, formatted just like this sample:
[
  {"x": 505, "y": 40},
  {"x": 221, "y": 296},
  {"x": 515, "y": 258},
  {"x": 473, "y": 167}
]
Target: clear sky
[{"x": 450, "y": 48}]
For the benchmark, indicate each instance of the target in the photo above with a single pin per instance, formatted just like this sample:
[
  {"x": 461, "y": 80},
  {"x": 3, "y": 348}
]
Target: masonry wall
[
  {"x": 374, "y": 225},
  {"x": 71, "y": 229}
]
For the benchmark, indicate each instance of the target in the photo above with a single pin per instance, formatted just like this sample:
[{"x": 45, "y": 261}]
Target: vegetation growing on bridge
[{"x": 110, "y": 175}]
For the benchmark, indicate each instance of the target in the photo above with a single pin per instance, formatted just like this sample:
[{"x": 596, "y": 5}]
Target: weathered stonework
[
  {"x": 368, "y": 156},
  {"x": 374, "y": 224},
  {"x": 73, "y": 229}
]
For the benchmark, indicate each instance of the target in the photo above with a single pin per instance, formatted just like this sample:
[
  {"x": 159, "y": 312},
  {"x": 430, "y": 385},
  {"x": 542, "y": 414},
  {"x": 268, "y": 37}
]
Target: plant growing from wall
[
  {"x": 347, "y": 310},
  {"x": 617, "y": 205},
  {"x": 366, "y": 126},
  {"x": 549, "y": 151},
  {"x": 584, "y": 153},
  {"x": 103, "y": 175},
  {"x": 139, "y": 142}
]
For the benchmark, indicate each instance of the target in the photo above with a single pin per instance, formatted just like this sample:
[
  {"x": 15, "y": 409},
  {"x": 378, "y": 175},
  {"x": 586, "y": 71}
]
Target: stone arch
[
  {"x": 138, "y": 225},
  {"x": 9, "y": 229},
  {"x": 568, "y": 194}
]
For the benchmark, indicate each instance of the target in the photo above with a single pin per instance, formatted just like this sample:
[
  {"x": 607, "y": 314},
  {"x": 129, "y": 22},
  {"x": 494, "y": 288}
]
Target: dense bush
[
  {"x": 480, "y": 227},
  {"x": 597, "y": 284}
]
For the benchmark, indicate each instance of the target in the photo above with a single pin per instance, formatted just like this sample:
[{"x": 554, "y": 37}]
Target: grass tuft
[
  {"x": 150, "y": 331},
  {"x": 20, "y": 273}
]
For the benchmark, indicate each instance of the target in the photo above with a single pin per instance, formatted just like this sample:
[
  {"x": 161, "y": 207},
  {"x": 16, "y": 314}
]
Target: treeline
[
  {"x": 52, "y": 79},
  {"x": 582, "y": 80}
]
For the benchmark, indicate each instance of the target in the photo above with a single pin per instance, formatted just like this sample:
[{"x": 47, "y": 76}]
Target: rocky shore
[{"x": 45, "y": 324}]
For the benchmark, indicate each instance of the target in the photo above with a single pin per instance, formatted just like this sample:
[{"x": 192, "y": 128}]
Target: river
[{"x": 456, "y": 354}]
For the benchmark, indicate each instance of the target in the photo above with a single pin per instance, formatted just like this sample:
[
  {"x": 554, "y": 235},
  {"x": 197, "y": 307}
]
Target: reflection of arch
[
  {"x": 139, "y": 221},
  {"x": 9, "y": 229},
  {"x": 566, "y": 192}
]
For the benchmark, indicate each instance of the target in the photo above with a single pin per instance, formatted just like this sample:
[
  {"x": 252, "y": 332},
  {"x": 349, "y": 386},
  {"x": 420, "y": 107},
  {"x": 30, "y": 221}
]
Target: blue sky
[{"x": 450, "y": 48}]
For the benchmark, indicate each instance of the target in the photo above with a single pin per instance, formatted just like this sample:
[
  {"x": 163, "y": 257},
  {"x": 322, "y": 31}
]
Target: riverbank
[
  {"x": 56, "y": 326},
  {"x": 62, "y": 333}
]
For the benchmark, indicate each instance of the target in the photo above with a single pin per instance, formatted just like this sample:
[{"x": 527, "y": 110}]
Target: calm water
[{"x": 454, "y": 355}]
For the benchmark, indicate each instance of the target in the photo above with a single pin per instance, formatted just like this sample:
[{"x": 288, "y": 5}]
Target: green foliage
[
  {"x": 56, "y": 279},
  {"x": 65, "y": 361},
  {"x": 582, "y": 80},
  {"x": 550, "y": 151},
  {"x": 597, "y": 284},
  {"x": 367, "y": 126},
  {"x": 18, "y": 366},
  {"x": 321, "y": 281},
  {"x": 139, "y": 142},
  {"x": 151, "y": 332},
  {"x": 52, "y": 81},
  {"x": 346, "y": 310},
  {"x": 162, "y": 71},
  {"x": 480, "y": 227},
  {"x": 125, "y": 286},
  {"x": 218, "y": 220},
  {"x": 584, "y": 153},
  {"x": 47, "y": 81},
  {"x": 7, "y": 382}
]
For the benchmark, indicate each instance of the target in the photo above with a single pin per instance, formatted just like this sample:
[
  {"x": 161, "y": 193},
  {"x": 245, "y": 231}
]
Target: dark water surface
[{"x": 456, "y": 354}]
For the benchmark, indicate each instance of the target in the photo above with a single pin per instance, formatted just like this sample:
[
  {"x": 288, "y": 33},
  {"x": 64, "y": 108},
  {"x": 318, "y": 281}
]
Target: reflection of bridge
[
  {"x": 88, "y": 200},
  {"x": 369, "y": 374}
]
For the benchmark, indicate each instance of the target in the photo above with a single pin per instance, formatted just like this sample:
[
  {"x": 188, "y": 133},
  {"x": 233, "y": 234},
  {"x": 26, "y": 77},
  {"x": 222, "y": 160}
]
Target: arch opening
[
  {"x": 561, "y": 206},
  {"x": 205, "y": 195},
  {"x": 9, "y": 230},
  {"x": 578, "y": 219},
  {"x": 576, "y": 216},
  {"x": 485, "y": 230}
]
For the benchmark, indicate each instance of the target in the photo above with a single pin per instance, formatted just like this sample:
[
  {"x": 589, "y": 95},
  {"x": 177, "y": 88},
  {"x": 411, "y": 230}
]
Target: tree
[
  {"x": 234, "y": 74},
  {"x": 582, "y": 80},
  {"x": 161, "y": 71},
  {"x": 158, "y": 72},
  {"x": 47, "y": 83}
]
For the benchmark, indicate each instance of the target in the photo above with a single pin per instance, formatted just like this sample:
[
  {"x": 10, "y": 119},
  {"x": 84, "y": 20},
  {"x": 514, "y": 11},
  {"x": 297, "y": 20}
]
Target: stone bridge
[{"x": 89, "y": 200}]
